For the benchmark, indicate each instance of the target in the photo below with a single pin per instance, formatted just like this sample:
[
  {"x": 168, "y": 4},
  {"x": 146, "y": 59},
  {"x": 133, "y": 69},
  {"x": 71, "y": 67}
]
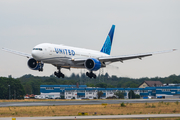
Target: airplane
[{"x": 68, "y": 57}]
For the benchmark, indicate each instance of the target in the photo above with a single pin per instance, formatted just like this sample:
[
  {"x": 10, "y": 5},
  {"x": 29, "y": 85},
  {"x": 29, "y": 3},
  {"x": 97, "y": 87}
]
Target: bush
[
  {"x": 137, "y": 96},
  {"x": 166, "y": 103},
  {"x": 113, "y": 97},
  {"x": 153, "y": 106},
  {"x": 119, "y": 94},
  {"x": 174, "y": 111},
  {"x": 123, "y": 105},
  {"x": 149, "y": 106},
  {"x": 62, "y": 97}
]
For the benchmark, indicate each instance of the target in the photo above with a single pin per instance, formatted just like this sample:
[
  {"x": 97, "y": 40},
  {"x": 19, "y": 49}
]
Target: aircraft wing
[
  {"x": 129, "y": 57},
  {"x": 122, "y": 58},
  {"x": 17, "y": 52}
]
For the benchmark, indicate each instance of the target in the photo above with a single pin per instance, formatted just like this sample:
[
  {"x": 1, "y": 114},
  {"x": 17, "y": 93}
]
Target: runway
[
  {"x": 95, "y": 117},
  {"x": 83, "y": 102}
]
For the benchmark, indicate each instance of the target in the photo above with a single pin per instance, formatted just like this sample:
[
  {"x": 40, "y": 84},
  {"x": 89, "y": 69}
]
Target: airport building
[{"x": 84, "y": 92}]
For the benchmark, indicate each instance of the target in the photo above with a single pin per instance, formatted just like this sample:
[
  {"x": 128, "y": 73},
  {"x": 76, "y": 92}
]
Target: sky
[{"x": 141, "y": 26}]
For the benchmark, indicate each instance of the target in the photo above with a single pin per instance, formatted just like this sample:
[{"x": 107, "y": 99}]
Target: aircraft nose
[{"x": 35, "y": 54}]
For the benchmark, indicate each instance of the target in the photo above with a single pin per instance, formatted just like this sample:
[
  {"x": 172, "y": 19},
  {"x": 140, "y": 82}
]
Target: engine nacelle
[
  {"x": 34, "y": 65},
  {"x": 92, "y": 64}
]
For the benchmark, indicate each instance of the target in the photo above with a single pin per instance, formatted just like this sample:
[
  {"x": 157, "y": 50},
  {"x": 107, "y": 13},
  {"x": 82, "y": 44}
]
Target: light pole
[{"x": 9, "y": 92}]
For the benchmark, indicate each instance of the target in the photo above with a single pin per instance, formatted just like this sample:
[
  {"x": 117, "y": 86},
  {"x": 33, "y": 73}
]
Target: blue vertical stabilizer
[{"x": 108, "y": 43}]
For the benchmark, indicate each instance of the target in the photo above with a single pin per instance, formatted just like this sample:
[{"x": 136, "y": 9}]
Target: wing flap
[{"x": 122, "y": 58}]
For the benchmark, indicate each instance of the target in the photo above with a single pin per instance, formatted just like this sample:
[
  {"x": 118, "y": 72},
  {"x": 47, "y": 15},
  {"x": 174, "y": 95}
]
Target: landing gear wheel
[
  {"x": 40, "y": 69},
  {"x": 94, "y": 76},
  {"x": 87, "y": 74},
  {"x": 59, "y": 74},
  {"x": 62, "y": 75},
  {"x": 55, "y": 73},
  {"x": 91, "y": 75}
]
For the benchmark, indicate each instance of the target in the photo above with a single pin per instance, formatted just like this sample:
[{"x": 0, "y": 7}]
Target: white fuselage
[{"x": 63, "y": 56}]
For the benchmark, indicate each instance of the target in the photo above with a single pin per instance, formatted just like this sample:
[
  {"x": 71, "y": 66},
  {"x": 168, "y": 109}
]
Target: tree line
[
  {"x": 29, "y": 84},
  {"x": 32, "y": 83},
  {"x": 11, "y": 88}
]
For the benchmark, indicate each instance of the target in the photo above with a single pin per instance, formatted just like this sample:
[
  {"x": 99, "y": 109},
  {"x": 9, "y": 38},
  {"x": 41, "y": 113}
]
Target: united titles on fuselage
[{"x": 64, "y": 51}]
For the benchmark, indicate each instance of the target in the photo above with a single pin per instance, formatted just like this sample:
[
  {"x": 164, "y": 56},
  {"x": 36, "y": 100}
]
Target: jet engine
[
  {"x": 35, "y": 65},
  {"x": 92, "y": 64}
]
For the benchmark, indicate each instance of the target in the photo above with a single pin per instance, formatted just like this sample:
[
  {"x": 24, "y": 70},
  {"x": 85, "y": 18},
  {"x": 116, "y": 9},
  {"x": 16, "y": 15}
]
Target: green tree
[
  {"x": 90, "y": 85},
  {"x": 133, "y": 85},
  {"x": 106, "y": 75},
  {"x": 119, "y": 94},
  {"x": 119, "y": 85},
  {"x": 16, "y": 88},
  {"x": 101, "y": 85},
  {"x": 110, "y": 86},
  {"x": 28, "y": 89},
  {"x": 100, "y": 93},
  {"x": 73, "y": 75},
  {"x": 137, "y": 96},
  {"x": 35, "y": 88},
  {"x": 131, "y": 94}
]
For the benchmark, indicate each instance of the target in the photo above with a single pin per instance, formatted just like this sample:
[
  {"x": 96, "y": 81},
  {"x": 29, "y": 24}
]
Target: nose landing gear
[
  {"x": 40, "y": 69},
  {"x": 91, "y": 75},
  {"x": 40, "y": 66},
  {"x": 59, "y": 73}
]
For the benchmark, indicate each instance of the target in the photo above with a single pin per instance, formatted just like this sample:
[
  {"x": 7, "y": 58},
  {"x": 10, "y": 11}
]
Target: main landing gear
[
  {"x": 91, "y": 75},
  {"x": 59, "y": 73}
]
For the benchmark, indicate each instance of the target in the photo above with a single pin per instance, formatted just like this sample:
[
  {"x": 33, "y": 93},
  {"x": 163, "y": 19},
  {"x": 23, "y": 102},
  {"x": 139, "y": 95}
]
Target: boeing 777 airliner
[{"x": 62, "y": 56}]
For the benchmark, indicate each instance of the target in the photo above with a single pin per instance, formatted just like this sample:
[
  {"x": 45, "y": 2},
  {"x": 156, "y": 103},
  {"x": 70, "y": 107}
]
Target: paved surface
[
  {"x": 95, "y": 117},
  {"x": 83, "y": 102}
]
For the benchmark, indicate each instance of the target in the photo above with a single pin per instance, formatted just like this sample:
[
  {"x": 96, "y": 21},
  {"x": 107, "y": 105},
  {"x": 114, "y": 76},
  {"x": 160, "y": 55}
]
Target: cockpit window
[{"x": 37, "y": 49}]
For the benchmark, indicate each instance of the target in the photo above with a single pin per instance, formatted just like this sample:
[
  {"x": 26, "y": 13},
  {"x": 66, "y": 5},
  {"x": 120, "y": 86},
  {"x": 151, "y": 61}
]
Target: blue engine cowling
[
  {"x": 92, "y": 64},
  {"x": 34, "y": 65}
]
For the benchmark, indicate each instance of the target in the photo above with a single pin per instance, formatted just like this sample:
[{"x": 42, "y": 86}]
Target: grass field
[
  {"x": 110, "y": 109},
  {"x": 143, "y": 119}
]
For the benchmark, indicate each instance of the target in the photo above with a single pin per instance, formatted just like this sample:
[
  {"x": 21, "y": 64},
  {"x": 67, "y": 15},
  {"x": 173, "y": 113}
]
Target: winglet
[
  {"x": 108, "y": 43},
  {"x": 165, "y": 51}
]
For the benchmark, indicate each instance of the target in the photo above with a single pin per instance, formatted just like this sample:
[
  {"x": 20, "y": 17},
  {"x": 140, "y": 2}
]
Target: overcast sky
[{"x": 141, "y": 26}]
